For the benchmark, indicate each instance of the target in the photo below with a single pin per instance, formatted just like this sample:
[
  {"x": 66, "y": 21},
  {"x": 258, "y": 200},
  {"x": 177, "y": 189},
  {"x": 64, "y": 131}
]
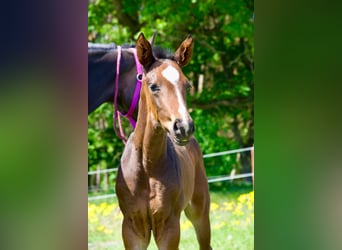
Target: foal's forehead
[
  {"x": 171, "y": 74},
  {"x": 170, "y": 71}
]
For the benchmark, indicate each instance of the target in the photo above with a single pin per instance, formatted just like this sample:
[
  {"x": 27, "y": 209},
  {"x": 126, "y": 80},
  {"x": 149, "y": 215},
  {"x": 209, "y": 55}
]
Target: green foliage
[{"x": 221, "y": 71}]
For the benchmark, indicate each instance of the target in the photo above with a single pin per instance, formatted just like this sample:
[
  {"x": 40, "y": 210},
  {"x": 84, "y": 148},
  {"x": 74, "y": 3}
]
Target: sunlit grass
[{"x": 232, "y": 224}]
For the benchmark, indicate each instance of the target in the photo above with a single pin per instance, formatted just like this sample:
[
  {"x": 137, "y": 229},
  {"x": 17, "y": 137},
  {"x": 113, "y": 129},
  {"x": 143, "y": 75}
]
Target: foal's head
[{"x": 165, "y": 87}]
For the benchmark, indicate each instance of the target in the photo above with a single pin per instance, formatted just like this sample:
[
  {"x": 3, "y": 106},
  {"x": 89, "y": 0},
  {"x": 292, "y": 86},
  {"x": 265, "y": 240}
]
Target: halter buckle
[{"x": 139, "y": 77}]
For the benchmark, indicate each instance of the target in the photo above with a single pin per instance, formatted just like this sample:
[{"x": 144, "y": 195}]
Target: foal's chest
[{"x": 164, "y": 194}]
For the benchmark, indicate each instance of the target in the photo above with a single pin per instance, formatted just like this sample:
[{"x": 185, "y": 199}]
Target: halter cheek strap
[{"x": 136, "y": 94}]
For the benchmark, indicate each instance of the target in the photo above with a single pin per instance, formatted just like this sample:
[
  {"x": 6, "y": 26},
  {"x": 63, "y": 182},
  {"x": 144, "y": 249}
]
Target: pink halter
[{"x": 136, "y": 94}]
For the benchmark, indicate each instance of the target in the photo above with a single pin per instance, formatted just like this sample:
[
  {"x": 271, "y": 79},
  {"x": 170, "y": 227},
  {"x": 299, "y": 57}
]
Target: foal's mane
[{"x": 162, "y": 53}]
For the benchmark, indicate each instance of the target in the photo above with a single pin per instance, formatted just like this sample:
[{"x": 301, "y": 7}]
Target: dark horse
[
  {"x": 103, "y": 85},
  {"x": 102, "y": 71},
  {"x": 162, "y": 171}
]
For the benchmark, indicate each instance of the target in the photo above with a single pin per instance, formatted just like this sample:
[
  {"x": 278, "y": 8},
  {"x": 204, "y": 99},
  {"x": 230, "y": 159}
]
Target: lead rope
[{"x": 116, "y": 115}]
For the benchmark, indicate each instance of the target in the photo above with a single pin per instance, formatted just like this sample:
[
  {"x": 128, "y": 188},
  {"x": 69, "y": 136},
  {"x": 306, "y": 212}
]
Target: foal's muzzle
[{"x": 183, "y": 130}]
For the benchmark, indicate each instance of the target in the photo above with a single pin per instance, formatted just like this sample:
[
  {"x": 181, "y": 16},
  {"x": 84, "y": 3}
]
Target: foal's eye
[{"x": 154, "y": 87}]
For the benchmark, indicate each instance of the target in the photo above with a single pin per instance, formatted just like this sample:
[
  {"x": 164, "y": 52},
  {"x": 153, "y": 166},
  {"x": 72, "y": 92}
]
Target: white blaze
[{"x": 172, "y": 75}]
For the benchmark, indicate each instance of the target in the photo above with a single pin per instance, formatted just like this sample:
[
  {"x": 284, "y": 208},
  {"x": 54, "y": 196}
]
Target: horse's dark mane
[
  {"x": 99, "y": 48},
  {"x": 96, "y": 49}
]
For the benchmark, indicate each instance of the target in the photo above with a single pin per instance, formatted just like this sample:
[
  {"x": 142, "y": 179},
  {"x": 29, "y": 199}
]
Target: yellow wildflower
[
  {"x": 214, "y": 206},
  {"x": 228, "y": 206},
  {"x": 237, "y": 210},
  {"x": 250, "y": 206},
  {"x": 236, "y": 222},
  {"x": 219, "y": 225},
  {"x": 100, "y": 228},
  {"x": 185, "y": 225},
  {"x": 93, "y": 219},
  {"x": 242, "y": 198},
  {"x": 108, "y": 210},
  {"x": 108, "y": 231}
]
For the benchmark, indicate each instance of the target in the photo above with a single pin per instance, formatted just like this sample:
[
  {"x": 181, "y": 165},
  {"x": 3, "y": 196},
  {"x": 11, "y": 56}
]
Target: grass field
[{"x": 231, "y": 215}]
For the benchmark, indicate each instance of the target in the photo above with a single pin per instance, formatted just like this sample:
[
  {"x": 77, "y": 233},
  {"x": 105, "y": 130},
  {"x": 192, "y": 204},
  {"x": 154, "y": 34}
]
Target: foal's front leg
[
  {"x": 136, "y": 233},
  {"x": 167, "y": 233},
  {"x": 198, "y": 209}
]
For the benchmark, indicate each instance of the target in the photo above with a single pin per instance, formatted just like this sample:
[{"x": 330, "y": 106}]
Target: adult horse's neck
[
  {"x": 101, "y": 79},
  {"x": 149, "y": 137}
]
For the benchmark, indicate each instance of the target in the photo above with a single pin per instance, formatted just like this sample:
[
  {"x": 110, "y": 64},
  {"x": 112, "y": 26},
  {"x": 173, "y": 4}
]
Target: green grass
[{"x": 231, "y": 215}]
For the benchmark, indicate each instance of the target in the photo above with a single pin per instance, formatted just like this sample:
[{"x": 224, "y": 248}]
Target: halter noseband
[{"x": 136, "y": 94}]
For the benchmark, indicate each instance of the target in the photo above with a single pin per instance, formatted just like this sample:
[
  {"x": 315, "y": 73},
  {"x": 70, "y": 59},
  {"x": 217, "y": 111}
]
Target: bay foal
[{"x": 162, "y": 171}]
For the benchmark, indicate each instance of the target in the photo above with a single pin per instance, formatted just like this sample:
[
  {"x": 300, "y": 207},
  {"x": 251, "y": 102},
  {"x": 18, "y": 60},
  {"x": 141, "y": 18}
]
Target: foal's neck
[{"x": 150, "y": 138}]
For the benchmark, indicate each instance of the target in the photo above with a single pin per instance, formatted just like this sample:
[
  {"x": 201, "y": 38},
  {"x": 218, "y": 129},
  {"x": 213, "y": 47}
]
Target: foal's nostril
[
  {"x": 182, "y": 129},
  {"x": 177, "y": 125}
]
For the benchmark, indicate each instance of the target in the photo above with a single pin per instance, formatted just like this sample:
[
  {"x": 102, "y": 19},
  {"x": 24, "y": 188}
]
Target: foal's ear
[
  {"x": 144, "y": 51},
  {"x": 184, "y": 52}
]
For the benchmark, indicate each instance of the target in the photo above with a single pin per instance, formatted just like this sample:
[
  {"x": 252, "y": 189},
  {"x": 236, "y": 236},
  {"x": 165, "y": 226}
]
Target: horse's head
[{"x": 165, "y": 87}]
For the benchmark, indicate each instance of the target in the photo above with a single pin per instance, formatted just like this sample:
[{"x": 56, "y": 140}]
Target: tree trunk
[{"x": 245, "y": 158}]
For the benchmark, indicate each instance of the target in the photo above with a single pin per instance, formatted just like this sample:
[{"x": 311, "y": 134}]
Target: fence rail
[
  {"x": 102, "y": 171},
  {"x": 210, "y": 179},
  {"x": 234, "y": 151},
  {"x": 229, "y": 177}
]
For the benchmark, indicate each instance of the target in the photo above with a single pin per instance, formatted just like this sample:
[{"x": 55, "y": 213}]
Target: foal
[{"x": 162, "y": 171}]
